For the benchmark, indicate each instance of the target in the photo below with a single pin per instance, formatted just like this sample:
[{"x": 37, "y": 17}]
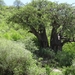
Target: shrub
[
  {"x": 16, "y": 36},
  {"x": 30, "y": 44},
  {"x": 47, "y": 53},
  {"x": 49, "y": 57},
  {"x": 69, "y": 71},
  {"x": 64, "y": 58},
  {"x": 48, "y": 70},
  {"x": 16, "y": 60}
]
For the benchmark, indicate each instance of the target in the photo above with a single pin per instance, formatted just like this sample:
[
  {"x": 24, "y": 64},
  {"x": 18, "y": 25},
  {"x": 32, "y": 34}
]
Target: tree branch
[
  {"x": 66, "y": 40},
  {"x": 33, "y": 30}
]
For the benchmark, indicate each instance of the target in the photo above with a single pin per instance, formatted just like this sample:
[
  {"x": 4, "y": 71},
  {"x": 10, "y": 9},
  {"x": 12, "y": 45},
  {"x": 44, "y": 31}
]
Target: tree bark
[
  {"x": 43, "y": 39},
  {"x": 41, "y": 36},
  {"x": 55, "y": 40}
]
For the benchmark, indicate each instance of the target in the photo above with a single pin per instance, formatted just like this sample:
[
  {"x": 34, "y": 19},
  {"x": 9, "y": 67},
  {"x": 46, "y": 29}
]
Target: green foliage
[
  {"x": 12, "y": 35},
  {"x": 69, "y": 47},
  {"x": 48, "y": 70},
  {"x": 30, "y": 15},
  {"x": 37, "y": 15},
  {"x": 30, "y": 44},
  {"x": 15, "y": 58},
  {"x": 64, "y": 58},
  {"x": 49, "y": 57},
  {"x": 16, "y": 36},
  {"x": 47, "y": 53},
  {"x": 34, "y": 16},
  {"x": 45, "y": 13},
  {"x": 69, "y": 71}
]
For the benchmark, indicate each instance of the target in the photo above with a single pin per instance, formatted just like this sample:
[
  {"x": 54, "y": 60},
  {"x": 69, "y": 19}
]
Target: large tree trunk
[
  {"x": 41, "y": 36},
  {"x": 55, "y": 40},
  {"x": 43, "y": 39}
]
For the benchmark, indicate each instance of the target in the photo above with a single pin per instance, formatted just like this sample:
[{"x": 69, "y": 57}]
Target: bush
[
  {"x": 47, "y": 53},
  {"x": 69, "y": 71},
  {"x": 49, "y": 57},
  {"x": 16, "y": 60},
  {"x": 16, "y": 36},
  {"x": 48, "y": 70},
  {"x": 30, "y": 45},
  {"x": 64, "y": 58}
]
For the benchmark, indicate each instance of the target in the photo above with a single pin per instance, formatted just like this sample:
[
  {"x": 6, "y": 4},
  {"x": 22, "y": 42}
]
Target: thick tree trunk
[
  {"x": 43, "y": 39},
  {"x": 41, "y": 36},
  {"x": 55, "y": 41}
]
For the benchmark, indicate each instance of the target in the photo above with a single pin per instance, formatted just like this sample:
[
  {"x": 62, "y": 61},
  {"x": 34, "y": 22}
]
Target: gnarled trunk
[
  {"x": 43, "y": 39},
  {"x": 41, "y": 36},
  {"x": 55, "y": 40}
]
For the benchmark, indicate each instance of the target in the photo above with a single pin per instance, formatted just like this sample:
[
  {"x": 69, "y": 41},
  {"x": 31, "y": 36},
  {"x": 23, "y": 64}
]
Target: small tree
[
  {"x": 2, "y": 3},
  {"x": 18, "y": 4}
]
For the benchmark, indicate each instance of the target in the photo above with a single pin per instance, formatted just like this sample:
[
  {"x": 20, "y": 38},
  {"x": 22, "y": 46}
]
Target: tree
[
  {"x": 62, "y": 20},
  {"x": 2, "y": 3},
  {"x": 39, "y": 14},
  {"x": 18, "y": 3}
]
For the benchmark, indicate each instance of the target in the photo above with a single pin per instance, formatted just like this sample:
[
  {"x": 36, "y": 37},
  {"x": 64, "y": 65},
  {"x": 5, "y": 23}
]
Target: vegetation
[
  {"x": 37, "y": 38},
  {"x": 18, "y": 4},
  {"x": 16, "y": 60},
  {"x": 2, "y": 3},
  {"x": 37, "y": 16}
]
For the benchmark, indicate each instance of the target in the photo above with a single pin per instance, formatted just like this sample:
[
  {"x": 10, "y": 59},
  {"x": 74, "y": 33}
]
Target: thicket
[
  {"x": 18, "y": 48},
  {"x": 16, "y": 60}
]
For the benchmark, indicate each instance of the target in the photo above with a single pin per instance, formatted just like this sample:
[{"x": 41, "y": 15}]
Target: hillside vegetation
[{"x": 37, "y": 38}]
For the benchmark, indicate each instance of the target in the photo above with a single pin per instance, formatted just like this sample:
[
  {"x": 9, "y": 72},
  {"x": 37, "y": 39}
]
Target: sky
[{"x": 10, "y": 2}]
